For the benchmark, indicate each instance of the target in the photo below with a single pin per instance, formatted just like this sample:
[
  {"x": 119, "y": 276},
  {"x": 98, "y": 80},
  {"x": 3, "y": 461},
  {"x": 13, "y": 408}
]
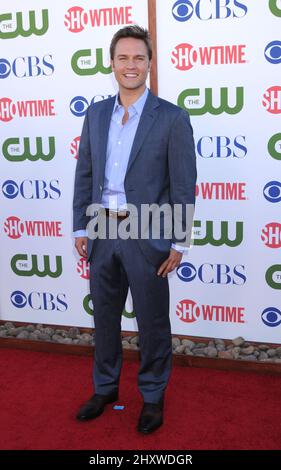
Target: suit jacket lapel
[
  {"x": 104, "y": 124},
  {"x": 148, "y": 116}
]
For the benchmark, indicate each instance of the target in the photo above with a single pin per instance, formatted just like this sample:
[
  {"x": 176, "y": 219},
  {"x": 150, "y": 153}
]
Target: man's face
[{"x": 130, "y": 63}]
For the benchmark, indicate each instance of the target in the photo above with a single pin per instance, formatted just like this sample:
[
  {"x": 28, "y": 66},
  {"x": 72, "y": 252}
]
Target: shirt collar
[{"x": 137, "y": 105}]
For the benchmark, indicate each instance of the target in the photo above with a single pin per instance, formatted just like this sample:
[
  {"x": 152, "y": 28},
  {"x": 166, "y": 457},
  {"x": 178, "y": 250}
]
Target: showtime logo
[
  {"x": 15, "y": 228},
  {"x": 272, "y": 100},
  {"x": 30, "y": 108},
  {"x": 74, "y": 147},
  {"x": 189, "y": 312},
  {"x": 185, "y": 56},
  {"x": 83, "y": 268},
  {"x": 222, "y": 191},
  {"x": 271, "y": 235},
  {"x": 76, "y": 18}
]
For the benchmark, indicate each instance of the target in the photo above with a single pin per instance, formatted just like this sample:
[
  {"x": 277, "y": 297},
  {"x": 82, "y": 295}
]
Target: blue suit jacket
[{"x": 161, "y": 167}]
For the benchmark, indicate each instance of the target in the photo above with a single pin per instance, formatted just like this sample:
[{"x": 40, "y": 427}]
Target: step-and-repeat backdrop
[{"x": 218, "y": 59}]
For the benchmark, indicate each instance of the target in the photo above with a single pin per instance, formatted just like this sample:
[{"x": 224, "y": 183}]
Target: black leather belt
[{"x": 116, "y": 214}]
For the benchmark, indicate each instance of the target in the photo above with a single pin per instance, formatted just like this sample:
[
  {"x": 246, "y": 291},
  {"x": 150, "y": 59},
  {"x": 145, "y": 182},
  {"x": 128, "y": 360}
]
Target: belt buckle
[
  {"x": 113, "y": 214},
  {"x": 116, "y": 214},
  {"x": 122, "y": 213}
]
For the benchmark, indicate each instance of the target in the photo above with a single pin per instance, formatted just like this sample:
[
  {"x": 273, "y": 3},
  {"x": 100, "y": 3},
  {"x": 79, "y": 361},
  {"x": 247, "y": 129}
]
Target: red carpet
[{"x": 205, "y": 409}]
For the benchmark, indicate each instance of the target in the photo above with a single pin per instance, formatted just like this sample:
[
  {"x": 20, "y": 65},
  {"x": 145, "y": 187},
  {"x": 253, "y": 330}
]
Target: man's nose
[{"x": 131, "y": 64}]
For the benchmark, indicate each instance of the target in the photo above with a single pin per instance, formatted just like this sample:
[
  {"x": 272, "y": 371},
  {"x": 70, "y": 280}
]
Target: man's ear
[{"x": 112, "y": 64}]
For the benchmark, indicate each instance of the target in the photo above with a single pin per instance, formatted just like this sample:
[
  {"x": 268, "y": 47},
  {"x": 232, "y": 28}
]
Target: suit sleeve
[
  {"x": 83, "y": 180},
  {"x": 182, "y": 173}
]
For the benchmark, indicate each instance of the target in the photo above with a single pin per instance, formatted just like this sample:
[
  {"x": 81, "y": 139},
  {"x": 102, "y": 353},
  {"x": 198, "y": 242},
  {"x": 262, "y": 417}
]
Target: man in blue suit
[{"x": 136, "y": 150}]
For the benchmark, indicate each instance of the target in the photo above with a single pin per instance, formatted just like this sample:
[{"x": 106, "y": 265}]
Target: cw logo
[
  {"x": 275, "y": 10},
  {"x": 128, "y": 311},
  {"x": 273, "y": 276},
  {"x": 21, "y": 263},
  {"x": 12, "y": 152},
  {"x": 184, "y": 101},
  {"x": 7, "y": 30},
  {"x": 82, "y": 63},
  {"x": 88, "y": 305},
  {"x": 272, "y": 147},
  {"x": 223, "y": 240}
]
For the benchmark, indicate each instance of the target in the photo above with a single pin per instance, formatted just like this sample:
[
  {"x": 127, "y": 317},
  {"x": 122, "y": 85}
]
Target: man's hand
[
  {"x": 81, "y": 245},
  {"x": 172, "y": 262}
]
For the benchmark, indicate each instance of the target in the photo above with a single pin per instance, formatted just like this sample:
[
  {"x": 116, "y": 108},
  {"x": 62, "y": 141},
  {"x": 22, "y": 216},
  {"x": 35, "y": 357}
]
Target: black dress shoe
[
  {"x": 151, "y": 417},
  {"x": 95, "y": 406}
]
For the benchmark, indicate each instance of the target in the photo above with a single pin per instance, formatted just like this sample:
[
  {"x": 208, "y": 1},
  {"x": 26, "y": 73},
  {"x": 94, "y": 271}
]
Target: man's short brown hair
[{"x": 134, "y": 31}]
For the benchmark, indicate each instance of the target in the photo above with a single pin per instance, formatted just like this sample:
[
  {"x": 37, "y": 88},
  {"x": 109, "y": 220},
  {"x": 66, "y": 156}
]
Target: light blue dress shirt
[{"x": 119, "y": 145}]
